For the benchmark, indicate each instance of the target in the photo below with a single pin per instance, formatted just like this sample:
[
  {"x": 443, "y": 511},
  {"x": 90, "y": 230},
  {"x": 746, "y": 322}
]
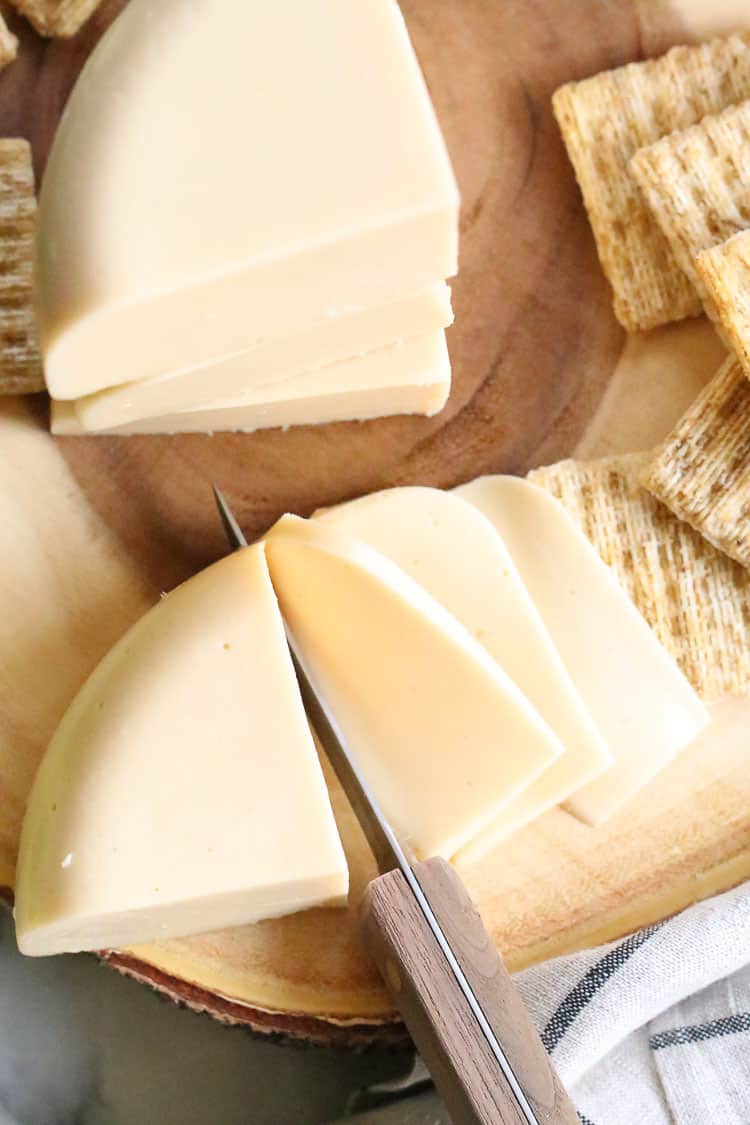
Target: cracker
[
  {"x": 8, "y": 44},
  {"x": 59, "y": 19},
  {"x": 697, "y": 185},
  {"x": 696, "y": 599},
  {"x": 605, "y": 120},
  {"x": 725, "y": 273},
  {"x": 20, "y": 360},
  {"x": 702, "y": 470}
]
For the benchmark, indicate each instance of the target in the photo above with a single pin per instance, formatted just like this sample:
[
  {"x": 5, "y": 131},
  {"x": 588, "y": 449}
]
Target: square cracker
[
  {"x": 697, "y": 185},
  {"x": 605, "y": 120},
  {"x": 696, "y": 599},
  {"x": 56, "y": 18},
  {"x": 725, "y": 274},
  {"x": 702, "y": 470},
  {"x": 20, "y": 360}
]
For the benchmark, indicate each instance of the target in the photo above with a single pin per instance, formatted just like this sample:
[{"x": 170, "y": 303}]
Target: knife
[{"x": 438, "y": 962}]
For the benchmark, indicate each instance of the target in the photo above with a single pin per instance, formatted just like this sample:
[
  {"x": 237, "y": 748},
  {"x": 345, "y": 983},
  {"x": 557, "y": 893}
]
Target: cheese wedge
[
  {"x": 444, "y": 736},
  {"x": 182, "y": 791},
  {"x": 639, "y": 699},
  {"x": 228, "y": 171},
  {"x": 345, "y": 338},
  {"x": 409, "y": 378},
  {"x": 456, "y": 555}
]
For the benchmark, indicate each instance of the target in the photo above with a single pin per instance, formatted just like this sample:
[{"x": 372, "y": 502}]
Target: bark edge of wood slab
[{"x": 445, "y": 1031}]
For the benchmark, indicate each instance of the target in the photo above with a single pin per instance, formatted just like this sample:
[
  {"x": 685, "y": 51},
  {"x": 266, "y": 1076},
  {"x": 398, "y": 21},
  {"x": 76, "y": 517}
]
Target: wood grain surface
[
  {"x": 100, "y": 526},
  {"x": 468, "y": 1077}
]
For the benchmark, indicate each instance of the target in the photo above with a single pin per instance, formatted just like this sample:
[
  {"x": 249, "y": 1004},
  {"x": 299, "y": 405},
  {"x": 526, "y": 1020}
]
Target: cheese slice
[
  {"x": 456, "y": 555},
  {"x": 639, "y": 699},
  {"x": 228, "y": 171},
  {"x": 409, "y": 378},
  {"x": 182, "y": 791},
  {"x": 334, "y": 341},
  {"x": 443, "y": 735}
]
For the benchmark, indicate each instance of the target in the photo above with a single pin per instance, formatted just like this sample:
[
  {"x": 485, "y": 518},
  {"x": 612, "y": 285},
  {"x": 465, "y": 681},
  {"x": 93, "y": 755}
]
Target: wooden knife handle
[{"x": 442, "y": 1025}]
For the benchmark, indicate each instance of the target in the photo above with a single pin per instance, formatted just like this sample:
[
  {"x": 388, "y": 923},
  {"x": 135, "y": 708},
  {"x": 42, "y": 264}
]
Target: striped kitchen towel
[{"x": 650, "y": 1030}]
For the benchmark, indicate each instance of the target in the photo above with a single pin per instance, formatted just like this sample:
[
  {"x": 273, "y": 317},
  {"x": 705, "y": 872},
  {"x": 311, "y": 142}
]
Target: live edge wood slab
[{"x": 100, "y": 526}]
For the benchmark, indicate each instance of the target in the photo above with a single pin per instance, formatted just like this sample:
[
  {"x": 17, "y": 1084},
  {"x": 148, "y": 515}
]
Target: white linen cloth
[{"x": 650, "y": 1030}]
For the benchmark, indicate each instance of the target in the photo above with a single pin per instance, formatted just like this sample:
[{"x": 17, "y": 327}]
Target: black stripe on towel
[
  {"x": 590, "y": 983},
  {"x": 699, "y": 1032}
]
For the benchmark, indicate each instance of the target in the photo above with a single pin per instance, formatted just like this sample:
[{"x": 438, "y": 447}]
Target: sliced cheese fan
[
  {"x": 444, "y": 736},
  {"x": 182, "y": 791},
  {"x": 456, "y": 554},
  {"x": 639, "y": 699}
]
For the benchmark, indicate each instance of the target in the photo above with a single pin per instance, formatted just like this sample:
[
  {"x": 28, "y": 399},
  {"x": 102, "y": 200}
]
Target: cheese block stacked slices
[
  {"x": 480, "y": 659},
  {"x": 247, "y": 219}
]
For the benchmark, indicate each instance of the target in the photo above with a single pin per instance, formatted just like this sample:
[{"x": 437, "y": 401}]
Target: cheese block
[
  {"x": 227, "y": 171},
  {"x": 182, "y": 791},
  {"x": 409, "y": 378},
  {"x": 333, "y": 341},
  {"x": 456, "y": 555},
  {"x": 637, "y": 696},
  {"x": 443, "y": 735}
]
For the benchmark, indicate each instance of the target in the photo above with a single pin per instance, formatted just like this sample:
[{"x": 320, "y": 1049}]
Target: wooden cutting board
[{"x": 100, "y": 526}]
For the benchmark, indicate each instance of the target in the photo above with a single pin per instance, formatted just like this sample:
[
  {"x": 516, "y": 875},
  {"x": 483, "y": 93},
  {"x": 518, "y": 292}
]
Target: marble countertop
[{"x": 81, "y": 1045}]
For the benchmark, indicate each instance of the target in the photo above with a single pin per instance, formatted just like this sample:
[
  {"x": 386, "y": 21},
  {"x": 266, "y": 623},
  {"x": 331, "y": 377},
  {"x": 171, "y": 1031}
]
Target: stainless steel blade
[
  {"x": 380, "y": 836},
  {"x": 385, "y": 845}
]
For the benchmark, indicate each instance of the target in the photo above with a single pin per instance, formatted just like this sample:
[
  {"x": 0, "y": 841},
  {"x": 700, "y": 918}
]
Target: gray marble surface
[{"x": 80, "y": 1045}]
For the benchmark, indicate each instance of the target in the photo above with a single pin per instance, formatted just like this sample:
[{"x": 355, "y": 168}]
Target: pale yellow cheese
[
  {"x": 228, "y": 171},
  {"x": 639, "y": 699},
  {"x": 456, "y": 555},
  {"x": 443, "y": 735},
  {"x": 409, "y": 378},
  {"x": 182, "y": 791},
  {"x": 333, "y": 341}
]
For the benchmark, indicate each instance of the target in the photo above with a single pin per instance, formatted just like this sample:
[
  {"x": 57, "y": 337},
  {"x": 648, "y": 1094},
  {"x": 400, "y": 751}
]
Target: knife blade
[{"x": 389, "y": 853}]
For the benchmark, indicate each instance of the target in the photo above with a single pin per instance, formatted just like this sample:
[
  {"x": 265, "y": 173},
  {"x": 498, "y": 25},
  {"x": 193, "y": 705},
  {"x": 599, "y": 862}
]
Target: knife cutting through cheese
[
  {"x": 451, "y": 987},
  {"x": 449, "y": 680},
  {"x": 196, "y": 698},
  {"x": 173, "y": 693},
  {"x": 466, "y": 667}
]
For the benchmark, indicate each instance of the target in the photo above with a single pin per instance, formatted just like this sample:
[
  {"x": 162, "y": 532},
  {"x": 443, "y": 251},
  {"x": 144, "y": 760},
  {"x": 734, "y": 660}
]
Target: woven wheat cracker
[
  {"x": 725, "y": 274},
  {"x": 695, "y": 598},
  {"x": 20, "y": 360},
  {"x": 605, "y": 120},
  {"x": 702, "y": 470},
  {"x": 56, "y": 18},
  {"x": 697, "y": 184}
]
